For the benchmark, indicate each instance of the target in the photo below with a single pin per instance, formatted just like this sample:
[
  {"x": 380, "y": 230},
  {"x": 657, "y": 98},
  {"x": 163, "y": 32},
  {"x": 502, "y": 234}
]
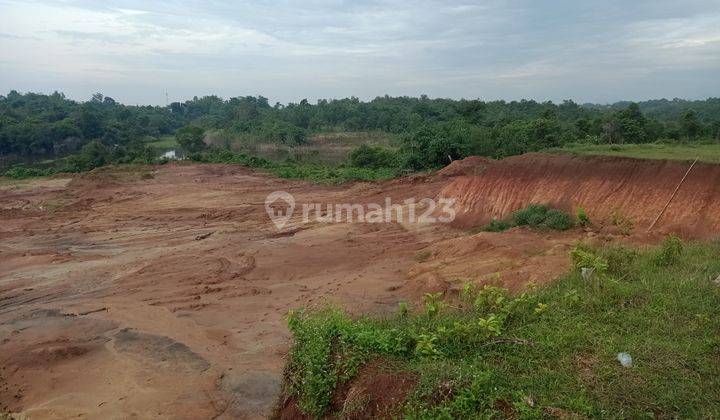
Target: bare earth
[{"x": 115, "y": 302}]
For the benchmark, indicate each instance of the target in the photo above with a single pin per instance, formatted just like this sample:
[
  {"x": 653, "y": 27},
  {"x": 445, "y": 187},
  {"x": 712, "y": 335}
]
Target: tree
[
  {"x": 691, "y": 127},
  {"x": 191, "y": 138},
  {"x": 611, "y": 133},
  {"x": 92, "y": 155}
]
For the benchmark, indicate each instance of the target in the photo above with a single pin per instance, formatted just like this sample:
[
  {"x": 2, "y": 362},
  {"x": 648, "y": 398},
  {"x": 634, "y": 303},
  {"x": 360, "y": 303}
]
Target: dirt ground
[{"x": 162, "y": 292}]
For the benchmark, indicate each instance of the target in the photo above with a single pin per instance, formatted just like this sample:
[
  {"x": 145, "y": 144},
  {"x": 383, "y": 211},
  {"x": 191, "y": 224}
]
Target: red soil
[
  {"x": 606, "y": 187},
  {"x": 162, "y": 292}
]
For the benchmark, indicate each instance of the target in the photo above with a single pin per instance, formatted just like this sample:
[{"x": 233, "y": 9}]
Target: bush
[
  {"x": 555, "y": 219},
  {"x": 373, "y": 157},
  {"x": 191, "y": 138},
  {"x": 582, "y": 217},
  {"x": 496, "y": 225},
  {"x": 91, "y": 156},
  {"x": 24, "y": 172},
  {"x": 670, "y": 251},
  {"x": 540, "y": 216}
]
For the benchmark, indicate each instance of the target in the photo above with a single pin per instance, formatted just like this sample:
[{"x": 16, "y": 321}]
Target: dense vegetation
[
  {"x": 432, "y": 131},
  {"x": 547, "y": 352}
]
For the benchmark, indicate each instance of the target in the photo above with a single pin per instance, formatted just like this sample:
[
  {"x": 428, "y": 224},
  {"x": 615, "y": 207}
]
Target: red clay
[
  {"x": 606, "y": 187},
  {"x": 162, "y": 292}
]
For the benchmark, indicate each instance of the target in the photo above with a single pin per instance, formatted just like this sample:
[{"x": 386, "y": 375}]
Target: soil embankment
[{"x": 612, "y": 190}]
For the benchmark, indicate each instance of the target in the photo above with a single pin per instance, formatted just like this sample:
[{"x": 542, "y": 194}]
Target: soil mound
[
  {"x": 612, "y": 190},
  {"x": 471, "y": 165}
]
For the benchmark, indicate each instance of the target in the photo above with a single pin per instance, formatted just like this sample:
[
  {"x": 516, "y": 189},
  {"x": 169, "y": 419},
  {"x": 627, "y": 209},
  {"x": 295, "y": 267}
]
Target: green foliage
[
  {"x": 191, "y": 138},
  {"x": 534, "y": 215},
  {"x": 549, "y": 351},
  {"x": 373, "y": 157},
  {"x": 403, "y": 308},
  {"x": 92, "y": 155},
  {"x": 436, "y": 130},
  {"x": 433, "y": 304},
  {"x": 496, "y": 225},
  {"x": 582, "y": 217},
  {"x": 585, "y": 258},
  {"x": 541, "y": 216},
  {"x": 328, "y": 174},
  {"x": 670, "y": 251},
  {"x": 24, "y": 172}
]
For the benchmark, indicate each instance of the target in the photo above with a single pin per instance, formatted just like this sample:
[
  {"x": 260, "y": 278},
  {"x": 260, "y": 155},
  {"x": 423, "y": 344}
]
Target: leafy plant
[
  {"x": 670, "y": 251},
  {"x": 426, "y": 345},
  {"x": 433, "y": 304},
  {"x": 585, "y": 258}
]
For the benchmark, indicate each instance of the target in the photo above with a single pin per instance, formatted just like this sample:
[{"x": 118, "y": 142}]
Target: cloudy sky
[{"x": 588, "y": 51}]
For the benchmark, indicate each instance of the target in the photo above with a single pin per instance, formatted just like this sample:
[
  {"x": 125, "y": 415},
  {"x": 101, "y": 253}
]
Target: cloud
[{"x": 286, "y": 50}]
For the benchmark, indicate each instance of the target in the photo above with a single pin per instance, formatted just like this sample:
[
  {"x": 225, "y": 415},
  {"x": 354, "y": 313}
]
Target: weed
[
  {"x": 433, "y": 304},
  {"x": 582, "y": 217},
  {"x": 670, "y": 251},
  {"x": 623, "y": 222},
  {"x": 403, "y": 308}
]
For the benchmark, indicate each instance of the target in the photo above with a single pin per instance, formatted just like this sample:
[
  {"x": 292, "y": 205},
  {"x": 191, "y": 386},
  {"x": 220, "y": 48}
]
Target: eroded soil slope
[{"x": 611, "y": 190}]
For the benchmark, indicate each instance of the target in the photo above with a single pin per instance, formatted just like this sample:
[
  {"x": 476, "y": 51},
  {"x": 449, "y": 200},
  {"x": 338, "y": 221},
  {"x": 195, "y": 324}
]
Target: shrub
[
  {"x": 373, "y": 157},
  {"x": 670, "y": 251},
  {"x": 24, "y": 172},
  {"x": 93, "y": 155},
  {"x": 582, "y": 217},
  {"x": 191, "y": 138},
  {"x": 541, "y": 216},
  {"x": 555, "y": 219}
]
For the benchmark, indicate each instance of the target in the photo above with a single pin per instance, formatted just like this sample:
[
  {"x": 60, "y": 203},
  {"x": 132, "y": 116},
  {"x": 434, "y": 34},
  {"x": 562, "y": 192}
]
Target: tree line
[{"x": 432, "y": 130}]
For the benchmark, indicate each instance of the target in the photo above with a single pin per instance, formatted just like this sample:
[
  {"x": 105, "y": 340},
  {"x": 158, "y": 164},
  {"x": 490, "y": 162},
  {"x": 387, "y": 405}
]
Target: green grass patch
[
  {"x": 550, "y": 351},
  {"x": 709, "y": 153},
  {"x": 25, "y": 172},
  {"x": 164, "y": 142},
  {"x": 320, "y": 173}
]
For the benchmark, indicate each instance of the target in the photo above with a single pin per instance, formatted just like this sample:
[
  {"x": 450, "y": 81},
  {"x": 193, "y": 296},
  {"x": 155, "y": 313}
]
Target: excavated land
[
  {"x": 610, "y": 189},
  {"x": 162, "y": 292}
]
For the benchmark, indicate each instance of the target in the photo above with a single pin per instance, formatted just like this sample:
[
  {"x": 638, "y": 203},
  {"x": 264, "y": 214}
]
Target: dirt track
[{"x": 115, "y": 302}]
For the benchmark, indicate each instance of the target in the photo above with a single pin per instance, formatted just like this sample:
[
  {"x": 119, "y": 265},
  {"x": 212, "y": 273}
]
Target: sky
[{"x": 586, "y": 50}]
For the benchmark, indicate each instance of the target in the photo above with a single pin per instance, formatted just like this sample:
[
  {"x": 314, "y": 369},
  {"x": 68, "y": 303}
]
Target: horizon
[{"x": 594, "y": 52}]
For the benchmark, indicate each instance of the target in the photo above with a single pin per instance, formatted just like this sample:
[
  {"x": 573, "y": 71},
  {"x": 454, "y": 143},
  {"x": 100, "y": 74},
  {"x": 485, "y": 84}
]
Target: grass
[
  {"x": 709, "y": 153},
  {"x": 315, "y": 172},
  {"x": 164, "y": 142},
  {"x": 551, "y": 351}
]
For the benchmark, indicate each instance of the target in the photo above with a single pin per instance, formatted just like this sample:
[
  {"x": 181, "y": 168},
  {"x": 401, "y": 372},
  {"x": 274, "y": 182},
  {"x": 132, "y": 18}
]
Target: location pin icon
[{"x": 279, "y": 214}]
